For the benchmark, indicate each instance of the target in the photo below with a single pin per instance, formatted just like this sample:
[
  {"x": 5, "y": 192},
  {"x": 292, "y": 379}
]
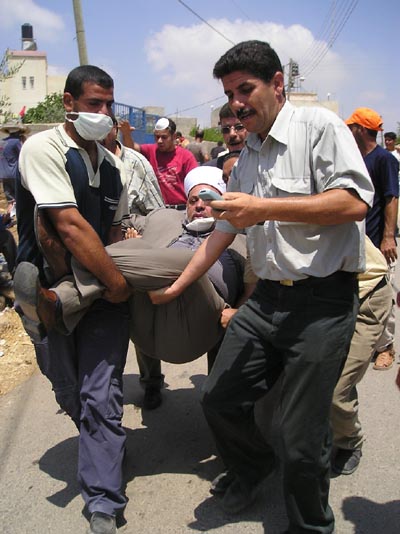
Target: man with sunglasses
[{"x": 233, "y": 132}]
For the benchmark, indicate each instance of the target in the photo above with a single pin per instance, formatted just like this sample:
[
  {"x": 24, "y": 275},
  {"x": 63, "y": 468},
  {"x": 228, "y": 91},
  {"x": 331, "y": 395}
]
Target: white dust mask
[
  {"x": 201, "y": 225},
  {"x": 91, "y": 126}
]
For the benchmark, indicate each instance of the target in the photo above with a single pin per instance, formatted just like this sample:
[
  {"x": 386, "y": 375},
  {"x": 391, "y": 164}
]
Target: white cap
[
  {"x": 162, "y": 124},
  {"x": 205, "y": 175}
]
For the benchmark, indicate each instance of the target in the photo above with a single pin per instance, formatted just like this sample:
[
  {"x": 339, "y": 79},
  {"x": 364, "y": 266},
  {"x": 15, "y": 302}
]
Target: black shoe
[
  {"x": 239, "y": 497},
  {"x": 222, "y": 482},
  {"x": 152, "y": 398},
  {"x": 101, "y": 523},
  {"x": 346, "y": 461}
]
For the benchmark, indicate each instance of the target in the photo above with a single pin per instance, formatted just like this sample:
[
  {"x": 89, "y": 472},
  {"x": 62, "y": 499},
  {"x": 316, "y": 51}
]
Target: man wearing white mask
[{"x": 79, "y": 187}]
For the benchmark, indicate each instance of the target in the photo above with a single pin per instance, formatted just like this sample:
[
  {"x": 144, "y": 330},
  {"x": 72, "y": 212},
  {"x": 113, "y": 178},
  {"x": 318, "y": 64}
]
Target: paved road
[{"x": 171, "y": 460}]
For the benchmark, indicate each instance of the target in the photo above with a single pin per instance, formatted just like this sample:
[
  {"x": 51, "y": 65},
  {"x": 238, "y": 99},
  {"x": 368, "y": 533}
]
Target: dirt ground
[{"x": 17, "y": 356}]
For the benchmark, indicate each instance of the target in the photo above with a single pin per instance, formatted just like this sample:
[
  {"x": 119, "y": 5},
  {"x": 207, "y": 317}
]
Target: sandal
[{"x": 385, "y": 359}]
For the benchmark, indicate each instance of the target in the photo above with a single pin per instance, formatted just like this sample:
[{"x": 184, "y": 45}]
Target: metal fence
[{"x": 137, "y": 117}]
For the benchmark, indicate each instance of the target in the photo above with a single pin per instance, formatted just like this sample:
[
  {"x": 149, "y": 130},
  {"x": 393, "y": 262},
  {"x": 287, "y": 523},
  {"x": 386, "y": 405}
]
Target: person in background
[
  {"x": 375, "y": 296},
  {"x": 233, "y": 132},
  {"x": 198, "y": 148},
  {"x": 228, "y": 163},
  {"x": 390, "y": 144},
  {"x": 181, "y": 140},
  {"x": 144, "y": 193},
  {"x": 170, "y": 163},
  {"x": 381, "y": 220},
  {"x": 9, "y": 156},
  {"x": 217, "y": 150}
]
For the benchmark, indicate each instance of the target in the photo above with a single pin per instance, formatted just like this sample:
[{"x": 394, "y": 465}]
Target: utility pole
[
  {"x": 80, "y": 33},
  {"x": 290, "y": 79}
]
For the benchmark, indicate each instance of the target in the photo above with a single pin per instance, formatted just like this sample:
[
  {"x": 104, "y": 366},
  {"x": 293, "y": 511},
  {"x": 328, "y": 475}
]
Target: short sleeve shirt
[
  {"x": 57, "y": 173},
  {"x": 144, "y": 193},
  {"x": 307, "y": 151},
  {"x": 383, "y": 169},
  {"x": 171, "y": 169}
]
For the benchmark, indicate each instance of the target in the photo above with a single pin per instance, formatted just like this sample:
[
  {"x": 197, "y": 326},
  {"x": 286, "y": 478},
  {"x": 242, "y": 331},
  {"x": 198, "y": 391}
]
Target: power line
[
  {"x": 205, "y": 22},
  {"x": 179, "y": 111},
  {"x": 318, "y": 51}
]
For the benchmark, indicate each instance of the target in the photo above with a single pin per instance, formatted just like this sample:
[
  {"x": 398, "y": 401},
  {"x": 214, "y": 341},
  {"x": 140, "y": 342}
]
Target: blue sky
[{"x": 159, "y": 53}]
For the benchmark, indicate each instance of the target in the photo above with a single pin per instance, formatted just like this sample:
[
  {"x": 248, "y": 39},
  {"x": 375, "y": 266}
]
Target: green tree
[
  {"x": 210, "y": 134},
  {"x": 49, "y": 111},
  {"x": 6, "y": 72}
]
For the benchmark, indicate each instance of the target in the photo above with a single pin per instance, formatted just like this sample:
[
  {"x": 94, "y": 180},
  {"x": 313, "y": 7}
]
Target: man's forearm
[
  {"x": 85, "y": 245},
  {"x": 336, "y": 206},
  {"x": 206, "y": 255},
  {"x": 391, "y": 209}
]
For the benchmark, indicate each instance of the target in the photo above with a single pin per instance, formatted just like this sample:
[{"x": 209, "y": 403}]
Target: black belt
[
  {"x": 313, "y": 279},
  {"x": 179, "y": 207}
]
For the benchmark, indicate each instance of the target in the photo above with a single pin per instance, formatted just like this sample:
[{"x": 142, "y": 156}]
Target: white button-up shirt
[{"x": 307, "y": 151}]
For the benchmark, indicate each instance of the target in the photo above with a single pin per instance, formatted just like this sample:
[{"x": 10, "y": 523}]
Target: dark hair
[
  {"x": 226, "y": 113},
  {"x": 86, "y": 73},
  {"x": 172, "y": 126},
  {"x": 200, "y": 134},
  {"x": 372, "y": 133},
  {"x": 179, "y": 134},
  {"x": 255, "y": 57},
  {"x": 390, "y": 135},
  {"x": 221, "y": 160}
]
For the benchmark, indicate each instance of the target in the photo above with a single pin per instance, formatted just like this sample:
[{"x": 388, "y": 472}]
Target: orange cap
[{"x": 366, "y": 117}]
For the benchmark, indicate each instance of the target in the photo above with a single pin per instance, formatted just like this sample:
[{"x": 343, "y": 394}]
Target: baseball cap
[{"x": 366, "y": 117}]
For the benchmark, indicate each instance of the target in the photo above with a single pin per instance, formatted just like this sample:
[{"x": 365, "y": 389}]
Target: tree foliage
[
  {"x": 50, "y": 110},
  {"x": 210, "y": 134}
]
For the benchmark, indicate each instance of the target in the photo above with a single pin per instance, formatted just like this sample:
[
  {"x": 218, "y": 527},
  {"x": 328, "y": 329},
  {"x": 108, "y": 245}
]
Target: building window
[
  {"x": 31, "y": 82},
  {"x": 23, "y": 82}
]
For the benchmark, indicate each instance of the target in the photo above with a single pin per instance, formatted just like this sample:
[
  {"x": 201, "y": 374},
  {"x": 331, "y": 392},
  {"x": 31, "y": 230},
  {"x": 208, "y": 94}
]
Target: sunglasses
[{"x": 227, "y": 129}]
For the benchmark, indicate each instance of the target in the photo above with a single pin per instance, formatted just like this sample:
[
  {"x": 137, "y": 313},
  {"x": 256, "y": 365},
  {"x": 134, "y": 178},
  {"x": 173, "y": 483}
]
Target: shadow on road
[
  {"x": 371, "y": 517},
  {"x": 269, "y": 510},
  {"x": 60, "y": 462},
  {"x": 176, "y": 438}
]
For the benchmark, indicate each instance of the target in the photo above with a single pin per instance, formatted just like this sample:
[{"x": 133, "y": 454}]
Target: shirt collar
[
  {"x": 279, "y": 130},
  {"x": 71, "y": 144}
]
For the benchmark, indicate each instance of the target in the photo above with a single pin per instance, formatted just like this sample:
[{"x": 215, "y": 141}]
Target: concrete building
[
  {"x": 32, "y": 83},
  {"x": 298, "y": 99}
]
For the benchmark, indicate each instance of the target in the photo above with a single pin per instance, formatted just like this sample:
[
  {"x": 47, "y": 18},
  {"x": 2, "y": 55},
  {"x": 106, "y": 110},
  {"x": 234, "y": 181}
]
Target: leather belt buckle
[{"x": 286, "y": 282}]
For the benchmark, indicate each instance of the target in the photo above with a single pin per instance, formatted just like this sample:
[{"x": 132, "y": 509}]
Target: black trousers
[{"x": 302, "y": 332}]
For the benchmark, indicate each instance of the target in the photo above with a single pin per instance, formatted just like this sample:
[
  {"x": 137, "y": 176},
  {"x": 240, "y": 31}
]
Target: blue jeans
[
  {"x": 85, "y": 369},
  {"x": 303, "y": 333}
]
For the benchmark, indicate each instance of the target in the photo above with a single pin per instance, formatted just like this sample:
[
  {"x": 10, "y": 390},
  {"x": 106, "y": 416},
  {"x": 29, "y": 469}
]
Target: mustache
[{"x": 241, "y": 112}]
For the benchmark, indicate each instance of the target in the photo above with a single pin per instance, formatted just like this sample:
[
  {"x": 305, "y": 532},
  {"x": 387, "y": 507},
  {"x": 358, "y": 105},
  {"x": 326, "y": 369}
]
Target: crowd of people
[{"x": 289, "y": 277}]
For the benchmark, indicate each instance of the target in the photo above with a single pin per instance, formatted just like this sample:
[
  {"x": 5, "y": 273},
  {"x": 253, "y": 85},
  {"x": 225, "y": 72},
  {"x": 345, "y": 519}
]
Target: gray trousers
[{"x": 178, "y": 332}]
